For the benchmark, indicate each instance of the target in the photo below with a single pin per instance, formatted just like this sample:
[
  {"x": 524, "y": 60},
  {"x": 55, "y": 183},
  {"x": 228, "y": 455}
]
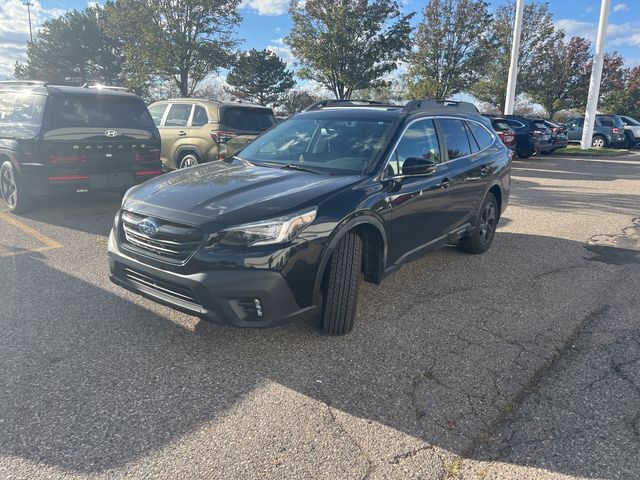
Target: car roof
[
  {"x": 210, "y": 102},
  {"x": 63, "y": 89}
]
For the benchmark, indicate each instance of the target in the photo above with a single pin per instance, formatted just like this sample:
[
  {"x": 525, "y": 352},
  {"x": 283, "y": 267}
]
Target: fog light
[{"x": 258, "y": 305}]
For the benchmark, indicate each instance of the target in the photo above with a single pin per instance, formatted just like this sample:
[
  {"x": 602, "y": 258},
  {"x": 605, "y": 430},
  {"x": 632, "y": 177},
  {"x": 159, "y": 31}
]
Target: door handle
[
  {"x": 446, "y": 183},
  {"x": 182, "y": 133},
  {"x": 484, "y": 170}
]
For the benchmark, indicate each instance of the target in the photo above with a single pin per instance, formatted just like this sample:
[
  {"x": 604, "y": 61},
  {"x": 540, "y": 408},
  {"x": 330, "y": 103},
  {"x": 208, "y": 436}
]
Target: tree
[
  {"x": 625, "y": 101},
  {"x": 560, "y": 82},
  {"x": 348, "y": 45},
  {"x": 391, "y": 91},
  {"x": 182, "y": 40},
  {"x": 259, "y": 76},
  {"x": 452, "y": 48},
  {"x": 295, "y": 101},
  {"x": 73, "y": 49},
  {"x": 539, "y": 37}
]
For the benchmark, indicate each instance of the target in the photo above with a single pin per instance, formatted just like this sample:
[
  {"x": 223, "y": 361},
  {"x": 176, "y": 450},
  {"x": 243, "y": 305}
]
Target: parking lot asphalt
[{"x": 523, "y": 362}]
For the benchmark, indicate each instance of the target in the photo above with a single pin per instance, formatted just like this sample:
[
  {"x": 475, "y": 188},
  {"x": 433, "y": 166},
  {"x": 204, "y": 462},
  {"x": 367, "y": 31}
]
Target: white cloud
[
  {"x": 282, "y": 50},
  {"x": 620, "y": 7},
  {"x": 14, "y": 30},
  {"x": 268, "y": 7},
  {"x": 618, "y": 34}
]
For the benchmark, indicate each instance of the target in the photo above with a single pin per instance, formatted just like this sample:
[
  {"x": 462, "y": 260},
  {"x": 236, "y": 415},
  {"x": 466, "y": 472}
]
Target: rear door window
[
  {"x": 482, "y": 136},
  {"x": 455, "y": 137},
  {"x": 247, "y": 119},
  {"x": 606, "y": 121},
  {"x": 78, "y": 111},
  {"x": 178, "y": 115},
  {"x": 515, "y": 124}
]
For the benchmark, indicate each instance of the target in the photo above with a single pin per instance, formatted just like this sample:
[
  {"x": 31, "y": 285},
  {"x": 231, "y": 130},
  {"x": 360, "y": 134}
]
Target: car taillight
[
  {"x": 151, "y": 155},
  {"x": 67, "y": 159},
  {"x": 509, "y": 139},
  {"x": 222, "y": 136},
  {"x": 616, "y": 130}
]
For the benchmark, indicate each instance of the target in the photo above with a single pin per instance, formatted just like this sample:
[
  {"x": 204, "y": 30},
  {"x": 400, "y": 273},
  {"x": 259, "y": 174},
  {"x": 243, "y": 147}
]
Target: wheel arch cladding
[
  {"x": 497, "y": 192},
  {"x": 184, "y": 150},
  {"x": 373, "y": 235}
]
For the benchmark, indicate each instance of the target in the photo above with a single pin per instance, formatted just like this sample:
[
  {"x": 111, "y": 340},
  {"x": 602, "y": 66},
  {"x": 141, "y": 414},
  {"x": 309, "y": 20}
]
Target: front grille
[
  {"x": 172, "y": 242},
  {"x": 163, "y": 287}
]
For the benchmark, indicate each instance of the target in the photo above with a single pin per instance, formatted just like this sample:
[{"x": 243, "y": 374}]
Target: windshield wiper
[{"x": 293, "y": 166}]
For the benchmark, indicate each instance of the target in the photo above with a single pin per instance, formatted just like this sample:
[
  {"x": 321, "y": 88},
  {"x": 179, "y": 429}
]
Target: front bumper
[{"x": 239, "y": 297}]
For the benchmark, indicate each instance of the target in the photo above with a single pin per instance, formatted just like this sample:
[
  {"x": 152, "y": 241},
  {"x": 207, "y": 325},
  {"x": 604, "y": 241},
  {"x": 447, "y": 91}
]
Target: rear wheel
[
  {"x": 340, "y": 286},
  {"x": 188, "y": 160},
  {"x": 482, "y": 237},
  {"x": 598, "y": 141},
  {"x": 12, "y": 189}
]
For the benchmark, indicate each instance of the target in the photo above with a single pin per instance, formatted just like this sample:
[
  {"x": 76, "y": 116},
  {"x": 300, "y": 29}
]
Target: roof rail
[
  {"x": 332, "y": 102},
  {"x": 100, "y": 86},
  {"x": 434, "y": 104},
  {"x": 17, "y": 83}
]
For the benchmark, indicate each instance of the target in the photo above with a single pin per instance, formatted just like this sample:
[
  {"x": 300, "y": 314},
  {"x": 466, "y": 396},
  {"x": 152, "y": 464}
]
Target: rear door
[
  {"x": 470, "y": 167},
  {"x": 574, "y": 129},
  {"x": 242, "y": 124}
]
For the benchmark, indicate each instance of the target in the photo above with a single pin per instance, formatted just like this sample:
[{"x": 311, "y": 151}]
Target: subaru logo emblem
[
  {"x": 148, "y": 226},
  {"x": 111, "y": 133}
]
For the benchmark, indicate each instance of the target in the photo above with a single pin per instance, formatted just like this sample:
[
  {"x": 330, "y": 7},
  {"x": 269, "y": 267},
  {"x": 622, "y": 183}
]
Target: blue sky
[{"x": 265, "y": 23}]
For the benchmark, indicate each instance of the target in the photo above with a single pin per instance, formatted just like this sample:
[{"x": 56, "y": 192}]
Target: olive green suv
[{"x": 195, "y": 131}]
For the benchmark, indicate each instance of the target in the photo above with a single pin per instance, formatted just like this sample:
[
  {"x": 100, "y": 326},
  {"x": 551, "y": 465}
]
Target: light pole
[
  {"x": 515, "y": 52},
  {"x": 29, "y": 5},
  {"x": 596, "y": 76}
]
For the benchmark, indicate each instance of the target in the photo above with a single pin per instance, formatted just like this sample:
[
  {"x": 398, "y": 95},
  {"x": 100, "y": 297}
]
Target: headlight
[{"x": 269, "y": 232}]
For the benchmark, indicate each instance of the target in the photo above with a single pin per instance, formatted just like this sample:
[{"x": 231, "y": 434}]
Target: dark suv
[
  {"x": 68, "y": 139},
  {"x": 285, "y": 228},
  {"x": 532, "y": 135},
  {"x": 608, "y": 131}
]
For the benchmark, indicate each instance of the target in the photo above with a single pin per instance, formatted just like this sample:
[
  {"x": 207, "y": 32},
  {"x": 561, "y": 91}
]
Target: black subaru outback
[
  {"x": 67, "y": 139},
  {"x": 285, "y": 228}
]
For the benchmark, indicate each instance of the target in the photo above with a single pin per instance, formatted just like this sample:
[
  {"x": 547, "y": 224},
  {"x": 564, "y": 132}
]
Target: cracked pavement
[{"x": 520, "y": 363}]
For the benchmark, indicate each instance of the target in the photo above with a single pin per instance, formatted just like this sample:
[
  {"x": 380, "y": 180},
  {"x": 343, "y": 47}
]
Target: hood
[{"x": 223, "y": 193}]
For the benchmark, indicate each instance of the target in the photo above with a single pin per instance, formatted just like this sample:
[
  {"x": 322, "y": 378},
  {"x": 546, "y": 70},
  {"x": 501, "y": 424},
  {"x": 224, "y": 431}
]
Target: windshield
[
  {"x": 73, "y": 111},
  {"x": 335, "y": 145}
]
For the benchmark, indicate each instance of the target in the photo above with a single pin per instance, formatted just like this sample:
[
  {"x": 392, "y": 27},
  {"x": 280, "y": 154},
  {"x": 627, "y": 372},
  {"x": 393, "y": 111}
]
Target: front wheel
[
  {"x": 340, "y": 286},
  {"x": 12, "y": 190},
  {"x": 482, "y": 237}
]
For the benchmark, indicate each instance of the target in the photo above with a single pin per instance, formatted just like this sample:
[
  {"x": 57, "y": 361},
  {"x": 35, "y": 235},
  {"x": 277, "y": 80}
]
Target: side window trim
[{"x": 471, "y": 136}]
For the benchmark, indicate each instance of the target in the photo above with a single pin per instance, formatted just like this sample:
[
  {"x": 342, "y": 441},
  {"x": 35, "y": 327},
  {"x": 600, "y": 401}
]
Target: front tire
[
  {"x": 482, "y": 237},
  {"x": 12, "y": 189},
  {"x": 341, "y": 284}
]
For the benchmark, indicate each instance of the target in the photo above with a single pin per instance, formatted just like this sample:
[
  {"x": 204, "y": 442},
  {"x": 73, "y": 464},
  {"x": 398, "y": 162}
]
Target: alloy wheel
[
  {"x": 189, "y": 161},
  {"x": 598, "y": 142},
  {"x": 487, "y": 222}
]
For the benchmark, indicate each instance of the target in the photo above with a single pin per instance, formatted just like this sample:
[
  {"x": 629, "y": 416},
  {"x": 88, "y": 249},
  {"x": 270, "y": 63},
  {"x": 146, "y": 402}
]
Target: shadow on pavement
[{"x": 91, "y": 380}]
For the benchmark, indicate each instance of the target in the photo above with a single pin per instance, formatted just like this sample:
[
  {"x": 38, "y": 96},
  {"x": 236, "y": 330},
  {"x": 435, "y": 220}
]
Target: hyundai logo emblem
[
  {"x": 111, "y": 133},
  {"x": 149, "y": 227}
]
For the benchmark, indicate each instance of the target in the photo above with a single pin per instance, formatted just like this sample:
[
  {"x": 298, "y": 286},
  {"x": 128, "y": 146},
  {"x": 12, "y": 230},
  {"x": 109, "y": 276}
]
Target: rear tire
[
  {"x": 482, "y": 237},
  {"x": 598, "y": 141},
  {"x": 189, "y": 160},
  {"x": 341, "y": 284},
  {"x": 12, "y": 189}
]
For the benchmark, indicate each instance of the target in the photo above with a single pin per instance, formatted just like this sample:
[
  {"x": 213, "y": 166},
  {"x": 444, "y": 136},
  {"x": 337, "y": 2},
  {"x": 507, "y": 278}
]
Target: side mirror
[{"x": 418, "y": 166}]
